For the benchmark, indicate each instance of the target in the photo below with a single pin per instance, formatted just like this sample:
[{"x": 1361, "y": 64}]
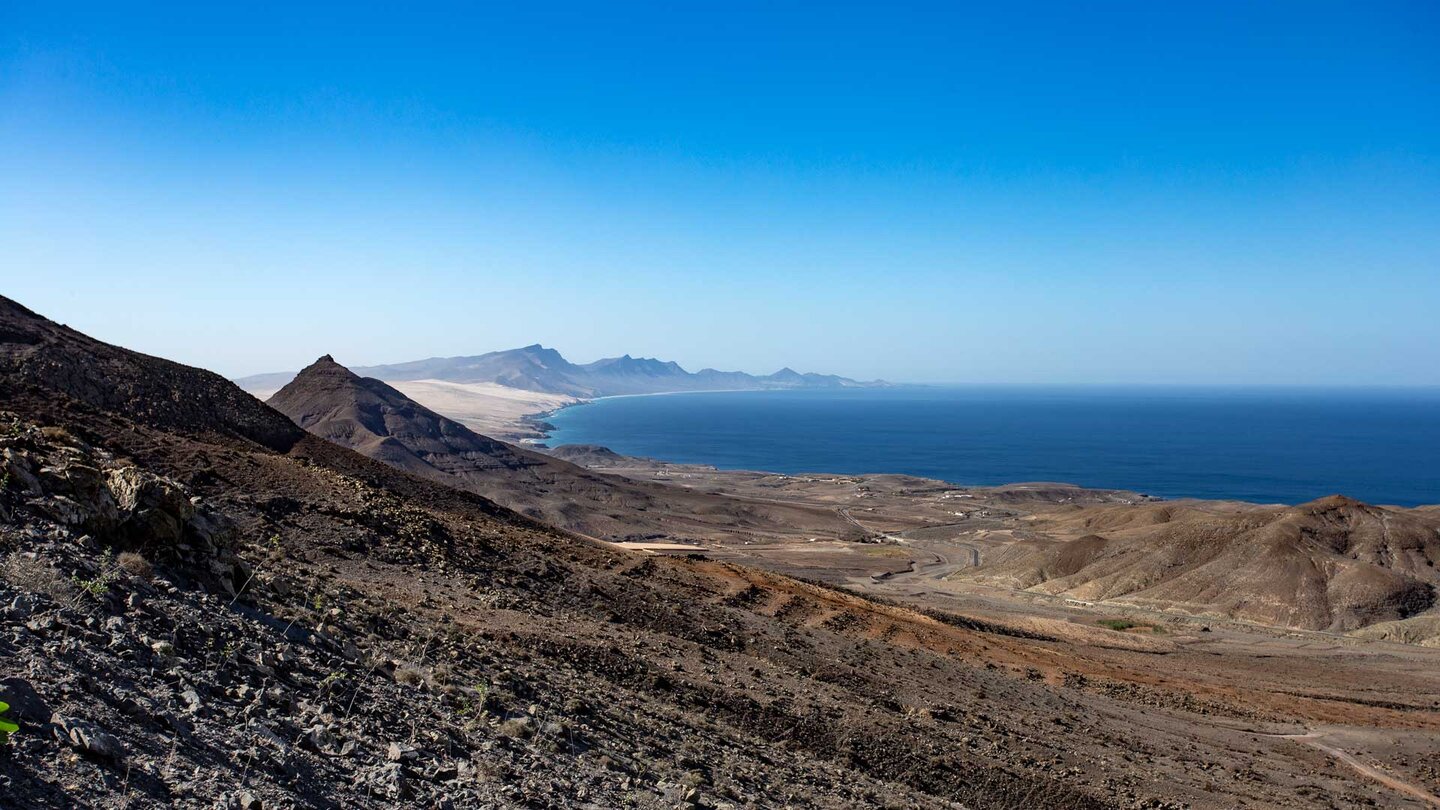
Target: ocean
[{"x": 1266, "y": 445}]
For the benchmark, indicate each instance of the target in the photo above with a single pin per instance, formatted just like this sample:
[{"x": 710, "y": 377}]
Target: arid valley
[
  {"x": 720, "y": 406},
  {"x": 1209, "y": 645}
]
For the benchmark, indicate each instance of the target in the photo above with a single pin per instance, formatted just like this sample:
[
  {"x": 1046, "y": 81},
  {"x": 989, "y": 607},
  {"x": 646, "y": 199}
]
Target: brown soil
[{"x": 612, "y": 678}]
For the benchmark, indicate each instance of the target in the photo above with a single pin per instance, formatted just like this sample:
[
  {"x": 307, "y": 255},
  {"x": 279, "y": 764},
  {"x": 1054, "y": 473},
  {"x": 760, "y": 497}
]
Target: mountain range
[{"x": 543, "y": 370}]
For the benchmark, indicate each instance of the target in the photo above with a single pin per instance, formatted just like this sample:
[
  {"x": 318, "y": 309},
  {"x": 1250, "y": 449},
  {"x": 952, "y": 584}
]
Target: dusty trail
[
  {"x": 1313, "y": 739},
  {"x": 941, "y": 567}
]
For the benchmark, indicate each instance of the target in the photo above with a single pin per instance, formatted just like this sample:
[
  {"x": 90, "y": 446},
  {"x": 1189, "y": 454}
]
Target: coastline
[
  {"x": 1167, "y": 467},
  {"x": 535, "y": 423}
]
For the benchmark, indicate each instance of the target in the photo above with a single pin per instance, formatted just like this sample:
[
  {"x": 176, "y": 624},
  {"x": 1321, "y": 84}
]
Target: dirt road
[{"x": 1313, "y": 739}]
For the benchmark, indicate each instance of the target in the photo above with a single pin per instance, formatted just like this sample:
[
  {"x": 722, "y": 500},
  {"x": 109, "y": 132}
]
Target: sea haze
[{"x": 1268, "y": 445}]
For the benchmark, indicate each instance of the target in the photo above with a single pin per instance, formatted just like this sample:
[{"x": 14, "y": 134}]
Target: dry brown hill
[{"x": 1333, "y": 564}]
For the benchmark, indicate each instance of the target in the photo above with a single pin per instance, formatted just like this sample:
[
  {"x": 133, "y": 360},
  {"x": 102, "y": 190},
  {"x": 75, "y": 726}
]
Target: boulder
[
  {"x": 26, "y": 705},
  {"x": 89, "y": 738}
]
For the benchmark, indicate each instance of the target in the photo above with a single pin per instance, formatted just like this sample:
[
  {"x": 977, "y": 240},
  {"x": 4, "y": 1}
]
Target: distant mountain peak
[{"x": 325, "y": 366}]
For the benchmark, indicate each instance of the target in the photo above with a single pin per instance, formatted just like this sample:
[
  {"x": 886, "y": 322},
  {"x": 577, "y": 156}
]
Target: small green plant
[
  {"x": 471, "y": 701},
  {"x": 332, "y": 679},
  {"x": 99, "y": 585},
  {"x": 1122, "y": 625},
  {"x": 6, "y": 727}
]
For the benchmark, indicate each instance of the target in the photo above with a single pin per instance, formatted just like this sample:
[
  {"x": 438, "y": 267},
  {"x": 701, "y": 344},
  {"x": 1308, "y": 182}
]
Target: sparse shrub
[
  {"x": 99, "y": 585},
  {"x": 518, "y": 728},
  {"x": 332, "y": 680},
  {"x": 34, "y": 576},
  {"x": 410, "y": 676},
  {"x": 1122, "y": 625},
  {"x": 465, "y": 706},
  {"x": 135, "y": 565},
  {"x": 473, "y": 702},
  {"x": 59, "y": 435}
]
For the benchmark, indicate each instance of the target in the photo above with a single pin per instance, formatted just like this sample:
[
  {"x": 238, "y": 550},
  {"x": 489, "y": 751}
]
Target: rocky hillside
[
  {"x": 39, "y": 358},
  {"x": 536, "y": 368},
  {"x": 371, "y": 417},
  {"x": 1334, "y": 564},
  {"x": 206, "y": 606},
  {"x": 307, "y": 627}
]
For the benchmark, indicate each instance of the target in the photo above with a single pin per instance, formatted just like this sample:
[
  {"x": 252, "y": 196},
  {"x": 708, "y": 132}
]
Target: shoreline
[
  {"x": 536, "y": 421},
  {"x": 539, "y": 434}
]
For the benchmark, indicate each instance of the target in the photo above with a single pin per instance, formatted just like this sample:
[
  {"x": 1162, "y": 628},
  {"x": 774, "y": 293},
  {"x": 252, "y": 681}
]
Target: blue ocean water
[{"x": 1266, "y": 445}]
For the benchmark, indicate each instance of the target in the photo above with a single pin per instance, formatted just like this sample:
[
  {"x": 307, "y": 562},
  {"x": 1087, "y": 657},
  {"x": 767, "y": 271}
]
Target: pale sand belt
[
  {"x": 486, "y": 408},
  {"x": 633, "y": 546}
]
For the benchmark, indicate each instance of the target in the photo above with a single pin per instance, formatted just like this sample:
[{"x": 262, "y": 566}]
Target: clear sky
[{"x": 1242, "y": 192}]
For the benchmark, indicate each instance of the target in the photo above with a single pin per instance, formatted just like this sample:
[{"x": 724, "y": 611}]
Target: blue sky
[{"x": 1061, "y": 192}]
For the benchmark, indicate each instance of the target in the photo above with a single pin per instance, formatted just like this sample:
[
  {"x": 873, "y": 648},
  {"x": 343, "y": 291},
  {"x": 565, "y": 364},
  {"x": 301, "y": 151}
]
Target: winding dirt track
[{"x": 1312, "y": 739}]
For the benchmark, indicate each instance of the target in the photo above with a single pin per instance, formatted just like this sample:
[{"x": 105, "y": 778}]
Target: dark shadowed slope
[
  {"x": 375, "y": 419},
  {"x": 367, "y": 415},
  {"x": 1334, "y": 564},
  {"x": 39, "y": 355}
]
